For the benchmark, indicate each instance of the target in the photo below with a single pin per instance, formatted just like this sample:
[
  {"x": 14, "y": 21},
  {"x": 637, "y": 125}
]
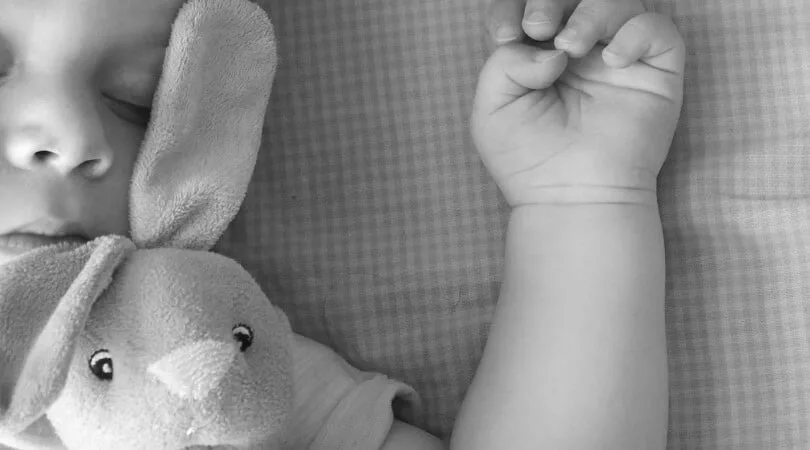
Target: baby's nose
[{"x": 35, "y": 148}]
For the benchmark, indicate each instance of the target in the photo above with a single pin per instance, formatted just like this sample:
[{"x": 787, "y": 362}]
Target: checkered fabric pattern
[
  {"x": 373, "y": 224},
  {"x": 736, "y": 211}
]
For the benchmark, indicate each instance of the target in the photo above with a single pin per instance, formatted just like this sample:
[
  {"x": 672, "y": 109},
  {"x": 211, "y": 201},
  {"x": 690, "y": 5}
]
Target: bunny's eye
[
  {"x": 101, "y": 365},
  {"x": 244, "y": 335}
]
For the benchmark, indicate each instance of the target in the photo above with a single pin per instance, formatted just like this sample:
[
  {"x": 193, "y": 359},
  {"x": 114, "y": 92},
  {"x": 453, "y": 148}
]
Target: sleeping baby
[{"x": 574, "y": 138}]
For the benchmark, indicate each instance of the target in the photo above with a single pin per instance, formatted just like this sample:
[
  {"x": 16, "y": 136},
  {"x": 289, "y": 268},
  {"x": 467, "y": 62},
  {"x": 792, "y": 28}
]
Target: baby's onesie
[{"x": 337, "y": 406}]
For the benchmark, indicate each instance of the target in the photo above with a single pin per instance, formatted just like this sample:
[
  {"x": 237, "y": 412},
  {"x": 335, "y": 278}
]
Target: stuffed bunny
[{"x": 152, "y": 341}]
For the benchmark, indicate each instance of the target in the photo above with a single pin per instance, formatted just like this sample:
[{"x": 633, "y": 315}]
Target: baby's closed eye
[
  {"x": 129, "y": 93},
  {"x": 138, "y": 114}
]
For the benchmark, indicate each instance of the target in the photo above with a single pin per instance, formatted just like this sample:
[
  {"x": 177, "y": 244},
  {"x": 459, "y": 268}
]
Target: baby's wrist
[
  {"x": 589, "y": 195},
  {"x": 585, "y": 176}
]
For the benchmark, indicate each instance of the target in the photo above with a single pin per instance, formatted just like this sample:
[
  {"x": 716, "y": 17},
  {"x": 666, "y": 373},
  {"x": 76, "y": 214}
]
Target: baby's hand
[
  {"x": 586, "y": 21},
  {"x": 596, "y": 129}
]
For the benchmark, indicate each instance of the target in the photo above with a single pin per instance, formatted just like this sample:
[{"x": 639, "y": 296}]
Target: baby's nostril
[
  {"x": 5, "y": 398},
  {"x": 92, "y": 168},
  {"x": 88, "y": 168},
  {"x": 43, "y": 156}
]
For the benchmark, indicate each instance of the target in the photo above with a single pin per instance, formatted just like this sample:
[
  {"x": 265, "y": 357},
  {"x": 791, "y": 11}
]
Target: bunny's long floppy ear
[
  {"x": 201, "y": 145},
  {"x": 45, "y": 299}
]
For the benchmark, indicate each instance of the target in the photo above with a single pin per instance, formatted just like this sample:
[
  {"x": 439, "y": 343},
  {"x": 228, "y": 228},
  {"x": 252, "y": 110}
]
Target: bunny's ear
[
  {"x": 45, "y": 299},
  {"x": 203, "y": 139}
]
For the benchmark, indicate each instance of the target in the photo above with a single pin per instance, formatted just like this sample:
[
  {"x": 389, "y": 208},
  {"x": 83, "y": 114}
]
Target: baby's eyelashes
[
  {"x": 6, "y": 58},
  {"x": 129, "y": 91},
  {"x": 130, "y": 112}
]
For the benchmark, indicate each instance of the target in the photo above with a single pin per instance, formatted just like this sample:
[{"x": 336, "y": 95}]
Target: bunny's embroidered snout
[{"x": 195, "y": 370}]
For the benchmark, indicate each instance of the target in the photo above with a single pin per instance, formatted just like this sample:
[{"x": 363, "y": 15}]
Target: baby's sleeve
[{"x": 338, "y": 407}]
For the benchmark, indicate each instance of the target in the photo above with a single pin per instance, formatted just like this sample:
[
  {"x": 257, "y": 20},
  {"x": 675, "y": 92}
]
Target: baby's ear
[
  {"x": 201, "y": 146},
  {"x": 45, "y": 299}
]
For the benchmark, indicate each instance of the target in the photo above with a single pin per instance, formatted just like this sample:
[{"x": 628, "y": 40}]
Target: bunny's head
[
  {"x": 181, "y": 349},
  {"x": 152, "y": 341}
]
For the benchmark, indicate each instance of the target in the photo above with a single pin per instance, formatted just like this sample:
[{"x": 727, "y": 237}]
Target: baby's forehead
[
  {"x": 135, "y": 22},
  {"x": 117, "y": 45}
]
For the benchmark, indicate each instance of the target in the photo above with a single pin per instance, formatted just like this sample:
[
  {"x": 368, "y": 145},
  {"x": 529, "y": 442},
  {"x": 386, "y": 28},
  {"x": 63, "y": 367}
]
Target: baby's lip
[
  {"x": 49, "y": 227},
  {"x": 42, "y": 233},
  {"x": 26, "y": 241}
]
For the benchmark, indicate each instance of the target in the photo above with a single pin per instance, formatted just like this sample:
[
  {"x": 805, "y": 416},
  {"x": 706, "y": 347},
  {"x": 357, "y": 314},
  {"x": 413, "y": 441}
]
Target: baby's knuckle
[
  {"x": 652, "y": 24},
  {"x": 635, "y": 4},
  {"x": 545, "y": 5},
  {"x": 540, "y": 8},
  {"x": 585, "y": 21},
  {"x": 588, "y": 12}
]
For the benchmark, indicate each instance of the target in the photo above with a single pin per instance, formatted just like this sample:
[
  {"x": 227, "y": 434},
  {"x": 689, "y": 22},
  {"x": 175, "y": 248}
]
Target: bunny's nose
[{"x": 194, "y": 371}]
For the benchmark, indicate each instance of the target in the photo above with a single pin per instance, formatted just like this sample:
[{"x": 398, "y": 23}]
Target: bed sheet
[{"x": 373, "y": 224}]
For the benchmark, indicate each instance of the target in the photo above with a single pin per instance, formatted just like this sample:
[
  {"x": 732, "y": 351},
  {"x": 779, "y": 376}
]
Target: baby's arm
[{"x": 576, "y": 356}]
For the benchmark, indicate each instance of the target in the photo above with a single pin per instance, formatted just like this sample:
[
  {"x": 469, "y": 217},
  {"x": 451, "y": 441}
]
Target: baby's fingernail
[
  {"x": 544, "y": 56},
  {"x": 567, "y": 35},
  {"x": 612, "y": 58},
  {"x": 536, "y": 19},
  {"x": 505, "y": 33}
]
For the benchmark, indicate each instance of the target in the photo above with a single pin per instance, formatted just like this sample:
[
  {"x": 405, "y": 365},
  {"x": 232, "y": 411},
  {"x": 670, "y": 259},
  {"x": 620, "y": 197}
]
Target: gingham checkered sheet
[{"x": 373, "y": 224}]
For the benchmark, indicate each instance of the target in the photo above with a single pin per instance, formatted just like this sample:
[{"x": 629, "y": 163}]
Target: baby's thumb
[{"x": 513, "y": 71}]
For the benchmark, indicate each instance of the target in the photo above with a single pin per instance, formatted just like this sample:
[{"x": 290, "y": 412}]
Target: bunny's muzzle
[
  {"x": 201, "y": 375},
  {"x": 194, "y": 371}
]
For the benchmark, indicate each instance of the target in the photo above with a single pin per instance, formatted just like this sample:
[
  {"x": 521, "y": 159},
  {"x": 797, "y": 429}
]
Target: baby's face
[{"x": 76, "y": 84}]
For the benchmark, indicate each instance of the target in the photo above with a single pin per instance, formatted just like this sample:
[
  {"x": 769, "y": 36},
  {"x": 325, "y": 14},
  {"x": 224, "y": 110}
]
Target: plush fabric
[
  {"x": 337, "y": 406},
  {"x": 208, "y": 111},
  {"x": 372, "y": 223},
  {"x": 39, "y": 330}
]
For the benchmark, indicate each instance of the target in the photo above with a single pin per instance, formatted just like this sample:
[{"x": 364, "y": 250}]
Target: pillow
[{"x": 373, "y": 224}]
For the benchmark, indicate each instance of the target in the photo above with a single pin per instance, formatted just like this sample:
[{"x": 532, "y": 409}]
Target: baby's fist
[{"x": 597, "y": 129}]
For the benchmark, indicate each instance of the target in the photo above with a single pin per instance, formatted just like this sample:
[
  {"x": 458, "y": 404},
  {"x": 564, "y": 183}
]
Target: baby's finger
[
  {"x": 595, "y": 21},
  {"x": 515, "y": 70},
  {"x": 542, "y": 18},
  {"x": 502, "y": 21},
  {"x": 651, "y": 38}
]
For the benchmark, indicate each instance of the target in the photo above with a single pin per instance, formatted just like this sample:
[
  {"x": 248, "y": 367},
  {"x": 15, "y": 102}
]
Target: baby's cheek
[
  {"x": 124, "y": 138},
  {"x": 109, "y": 212}
]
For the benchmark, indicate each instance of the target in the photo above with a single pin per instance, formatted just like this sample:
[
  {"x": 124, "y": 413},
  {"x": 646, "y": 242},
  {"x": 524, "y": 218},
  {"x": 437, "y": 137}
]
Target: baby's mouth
[
  {"x": 40, "y": 234},
  {"x": 30, "y": 241}
]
